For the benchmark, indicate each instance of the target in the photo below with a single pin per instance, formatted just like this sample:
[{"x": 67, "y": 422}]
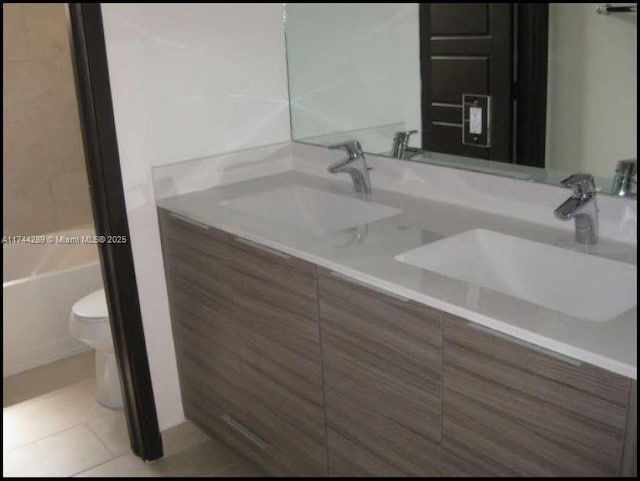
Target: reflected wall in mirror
[{"x": 551, "y": 89}]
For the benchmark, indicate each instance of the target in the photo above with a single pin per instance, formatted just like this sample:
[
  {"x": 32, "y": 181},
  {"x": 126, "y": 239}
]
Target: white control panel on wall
[{"x": 475, "y": 120}]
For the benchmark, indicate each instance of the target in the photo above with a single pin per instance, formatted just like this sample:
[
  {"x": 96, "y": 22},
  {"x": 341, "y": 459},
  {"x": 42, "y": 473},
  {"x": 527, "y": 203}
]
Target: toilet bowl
[{"x": 89, "y": 323}]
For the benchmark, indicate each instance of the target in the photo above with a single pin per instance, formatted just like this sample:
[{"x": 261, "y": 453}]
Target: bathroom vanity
[{"x": 313, "y": 350}]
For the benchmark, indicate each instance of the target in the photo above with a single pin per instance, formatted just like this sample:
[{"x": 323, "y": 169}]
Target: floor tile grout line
[
  {"x": 60, "y": 392},
  {"x": 55, "y": 433},
  {"x": 114, "y": 455},
  {"x": 80, "y": 387},
  {"x": 34, "y": 441},
  {"x": 99, "y": 464},
  {"x": 60, "y": 432}
]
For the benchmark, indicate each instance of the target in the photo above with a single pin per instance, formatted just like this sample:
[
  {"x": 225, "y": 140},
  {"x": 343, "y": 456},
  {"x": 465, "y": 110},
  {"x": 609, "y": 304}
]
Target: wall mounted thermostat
[{"x": 476, "y": 120}]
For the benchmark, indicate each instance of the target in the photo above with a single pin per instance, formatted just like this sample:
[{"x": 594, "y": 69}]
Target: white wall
[
  {"x": 593, "y": 90},
  {"x": 188, "y": 80},
  {"x": 342, "y": 56}
]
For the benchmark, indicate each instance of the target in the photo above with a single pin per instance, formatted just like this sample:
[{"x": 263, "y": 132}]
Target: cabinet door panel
[
  {"x": 188, "y": 238},
  {"x": 629, "y": 467},
  {"x": 509, "y": 410},
  {"x": 276, "y": 315},
  {"x": 298, "y": 333},
  {"x": 248, "y": 346},
  {"x": 381, "y": 362},
  {"x": 300, "y": 373},
  {"x": 352, "y": 459}
]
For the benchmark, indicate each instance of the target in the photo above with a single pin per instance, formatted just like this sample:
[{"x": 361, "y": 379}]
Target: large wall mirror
[{"x": 531, "y": 91}]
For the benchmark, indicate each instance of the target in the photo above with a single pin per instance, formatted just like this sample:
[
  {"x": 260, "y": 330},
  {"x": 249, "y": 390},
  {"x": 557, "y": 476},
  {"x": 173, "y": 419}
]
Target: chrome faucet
[
  {"x": 582, "y": 207},
  {"x": 355, "y": 164},
  {"x": 624, "y": 182},
  {"x": 401, "y": 143}
]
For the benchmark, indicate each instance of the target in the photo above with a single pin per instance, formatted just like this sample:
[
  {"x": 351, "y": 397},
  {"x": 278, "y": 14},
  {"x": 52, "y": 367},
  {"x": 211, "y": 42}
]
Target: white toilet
[{"x": 90, "y": 324}]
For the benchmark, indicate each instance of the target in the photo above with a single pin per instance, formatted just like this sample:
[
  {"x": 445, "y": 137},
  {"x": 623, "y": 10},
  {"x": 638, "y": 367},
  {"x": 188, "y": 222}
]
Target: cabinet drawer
[
  {"x": 232, "y": 429},
  {"x": 510, "y": 410},
  {"x": 381, "y": 362},
  {"x": 217, "y": 382}
]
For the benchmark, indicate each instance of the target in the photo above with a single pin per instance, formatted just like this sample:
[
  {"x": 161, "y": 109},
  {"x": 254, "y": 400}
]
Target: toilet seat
[
  {"x": 89, "y": 322},
  {"x": 92, "y": 307}
]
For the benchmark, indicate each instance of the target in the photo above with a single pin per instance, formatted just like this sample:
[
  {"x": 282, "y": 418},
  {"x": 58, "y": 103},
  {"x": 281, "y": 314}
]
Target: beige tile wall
[{"x": 45, "y": 185}]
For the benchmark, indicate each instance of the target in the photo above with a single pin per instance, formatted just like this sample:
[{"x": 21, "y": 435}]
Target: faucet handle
[
  {"x": 582, "y": 184},
  {"x": 627, "y": 167},
  {"x": 403, "y": 135},
  {"x": 352, "y": 147},
  {"x": 409, "y": 133},
  {"x": 401, "y": 142}
]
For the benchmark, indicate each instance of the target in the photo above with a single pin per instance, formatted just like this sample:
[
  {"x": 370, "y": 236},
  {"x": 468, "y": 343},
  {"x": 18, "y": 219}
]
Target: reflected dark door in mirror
[
  {"x": 466, "y": 48},
  {"x": 485, "y": 49}
]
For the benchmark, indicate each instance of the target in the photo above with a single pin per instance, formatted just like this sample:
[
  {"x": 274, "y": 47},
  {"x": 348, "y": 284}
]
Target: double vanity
[{"x": 322, "y": 331}]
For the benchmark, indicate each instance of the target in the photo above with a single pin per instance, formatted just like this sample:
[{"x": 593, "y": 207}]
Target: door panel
[
  {"x": 466, "y": 48},
  {"x": 460, "y": 19},
  {"x": 454, "y": 75}
]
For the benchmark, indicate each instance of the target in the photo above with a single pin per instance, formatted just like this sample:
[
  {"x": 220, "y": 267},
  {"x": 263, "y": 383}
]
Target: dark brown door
[{"x": 466, "y": 48}]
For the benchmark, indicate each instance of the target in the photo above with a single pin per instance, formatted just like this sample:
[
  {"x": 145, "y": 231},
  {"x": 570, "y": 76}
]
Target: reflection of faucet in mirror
[
  {"x": 355, "y": 165},
  {"x": 582, "y": 207},
  {"x": 401, "y": 144},
  {"x": 624, "y": 182}
]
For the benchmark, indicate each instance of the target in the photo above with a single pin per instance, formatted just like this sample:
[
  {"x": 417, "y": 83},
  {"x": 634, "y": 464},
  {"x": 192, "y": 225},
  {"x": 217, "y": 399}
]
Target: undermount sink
[
  {"x": 574, "y": 283},
  {"x": 310, "y": 210}
]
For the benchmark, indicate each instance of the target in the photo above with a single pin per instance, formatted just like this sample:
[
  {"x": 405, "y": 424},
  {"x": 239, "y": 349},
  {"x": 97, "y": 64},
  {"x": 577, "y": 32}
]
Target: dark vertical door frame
[
  {"x": 110, "y": 217},
  {"x": 532, "y": 20}
]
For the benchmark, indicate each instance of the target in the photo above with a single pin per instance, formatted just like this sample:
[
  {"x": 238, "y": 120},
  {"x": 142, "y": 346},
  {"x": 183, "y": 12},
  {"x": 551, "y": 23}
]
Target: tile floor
[{"x": 52, "y": 426}]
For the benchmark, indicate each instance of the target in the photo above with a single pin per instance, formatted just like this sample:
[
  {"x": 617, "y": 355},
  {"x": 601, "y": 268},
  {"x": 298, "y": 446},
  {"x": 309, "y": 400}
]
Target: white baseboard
[{"x": 43, "y": 354}]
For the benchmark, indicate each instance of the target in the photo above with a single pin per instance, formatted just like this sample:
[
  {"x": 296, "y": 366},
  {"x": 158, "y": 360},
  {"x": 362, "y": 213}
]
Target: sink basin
[
  {"x": 573, "y": 283},
  {"x": 310, "y": 210}
]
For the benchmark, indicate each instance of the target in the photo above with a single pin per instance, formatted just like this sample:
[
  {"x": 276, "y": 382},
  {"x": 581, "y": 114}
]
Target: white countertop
[{"x": 369, "y": 258}]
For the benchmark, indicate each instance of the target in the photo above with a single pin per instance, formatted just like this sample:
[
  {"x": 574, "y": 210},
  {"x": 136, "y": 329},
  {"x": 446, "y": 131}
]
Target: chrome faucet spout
[
  {"x": 582, "y": 207},
  {"x": 355, "y": 165},
  {"x": 339, "y": 166}
]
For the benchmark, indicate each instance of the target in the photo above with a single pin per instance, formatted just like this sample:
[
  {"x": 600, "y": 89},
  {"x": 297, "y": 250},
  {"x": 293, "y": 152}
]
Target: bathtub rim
[{"x": 43, "y": 275}]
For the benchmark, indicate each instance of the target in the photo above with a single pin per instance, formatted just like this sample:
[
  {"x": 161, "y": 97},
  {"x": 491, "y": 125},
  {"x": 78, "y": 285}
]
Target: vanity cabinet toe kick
[{"x": 310, "y": 373}]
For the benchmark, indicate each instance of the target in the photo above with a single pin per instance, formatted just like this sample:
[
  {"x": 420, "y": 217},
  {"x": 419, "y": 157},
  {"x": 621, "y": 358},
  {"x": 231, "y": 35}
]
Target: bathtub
[{"x": 40, "y": 284}]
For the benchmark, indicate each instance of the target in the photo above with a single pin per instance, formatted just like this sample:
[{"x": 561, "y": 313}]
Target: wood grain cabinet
[
  {"x": 309, "y": 373},
  {"x": 381, "y": 359},
  {"x": 510, "y": 410},
  {"x": 247, "y": 341}
]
